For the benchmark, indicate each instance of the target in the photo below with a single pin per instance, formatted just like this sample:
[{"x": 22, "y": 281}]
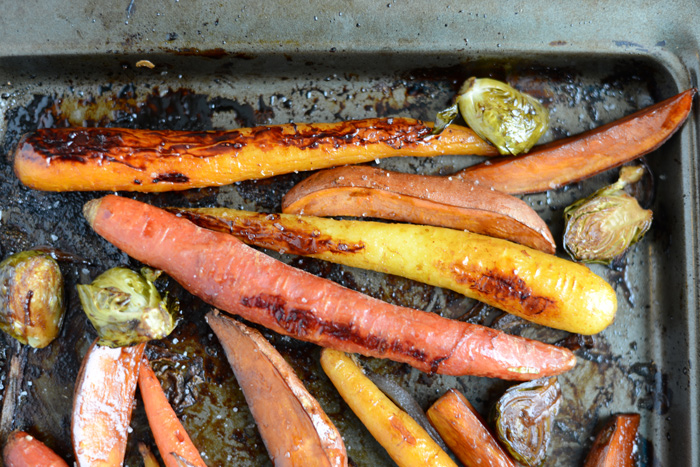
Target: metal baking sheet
[{"x": 230, "y": 66}]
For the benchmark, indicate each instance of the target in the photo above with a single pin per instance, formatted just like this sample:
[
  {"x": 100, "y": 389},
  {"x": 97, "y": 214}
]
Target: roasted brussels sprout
[
  {"x": 31, "y": 298},
  {"x": 511, "y": 120},
  {"x": 126, "y": 308},
  {"x": 604, "y": 225},
  {"x": 524, "y": 416}
]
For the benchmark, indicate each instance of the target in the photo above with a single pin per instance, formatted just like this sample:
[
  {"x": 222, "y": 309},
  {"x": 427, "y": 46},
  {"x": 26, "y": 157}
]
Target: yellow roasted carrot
[
  {"x": 536, "y": 286},
  {"x": 404, "y": 439}
]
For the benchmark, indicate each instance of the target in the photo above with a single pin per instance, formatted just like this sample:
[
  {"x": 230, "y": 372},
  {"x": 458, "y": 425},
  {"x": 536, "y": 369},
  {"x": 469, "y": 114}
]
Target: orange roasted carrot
[
  {"x": 466, "y": 433},
  {"x": 24, "y": 450},
  {"x": 361, "y": 191},
  {"x": 104, "y": 394},
  {"x": 170, "y": 435},
  {"x": 614, "y": 445},
  {"x": 294, "y": 427},
  {"x": 236, "y": 278},
  {"x": 86, "y": 159},
  {"x": 572, "y": 159}
]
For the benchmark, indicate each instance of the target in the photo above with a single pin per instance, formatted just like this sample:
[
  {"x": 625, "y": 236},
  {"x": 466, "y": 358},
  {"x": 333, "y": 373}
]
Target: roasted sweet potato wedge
[
  {"x": 614, "y": 445},
  {"x": 104, "y": 395},
  {"x": 361, "y": 191},
  {"x": 565, "y": 161},
  {"x": 292, "y": 424}
]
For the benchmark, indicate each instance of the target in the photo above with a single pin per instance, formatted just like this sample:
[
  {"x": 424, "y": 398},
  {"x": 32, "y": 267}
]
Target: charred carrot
[
  {"x": 236, "y": 278},
  {"x": 171, "y": 437},
  {"x": 361, "y": 191},
  {"x": 614, "y": 445},
  {"x": 406, "y": 442},
  {"x": 295, "y": 429},
  {"x": 24, "y": 450},
  {"x": 536, "y": 286},
  {"x": 104, "y": 393},
  {"x": 85, "y": 159},
  {"x": 466, "y": 433},
  {"x": 572, "y": 159}
]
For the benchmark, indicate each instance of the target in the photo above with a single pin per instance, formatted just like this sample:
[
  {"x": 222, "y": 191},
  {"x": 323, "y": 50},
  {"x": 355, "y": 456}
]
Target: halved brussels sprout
[
  {"x": 603, "y": 226},
  {"x": 524, "y": 416},
  {"x": 31, "y": 298},
  {"x": 511, "y": 120},
  {"x": 126, "y": 308}
]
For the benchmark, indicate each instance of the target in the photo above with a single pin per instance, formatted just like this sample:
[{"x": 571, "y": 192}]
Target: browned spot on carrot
[
  {"x": 405, "y": 433},
  {"x": 173, "y": 177},
  {"x": 303, "y": 323},
  {"x": 503, "y": 288},
  {"x": 257, "y": 229}
]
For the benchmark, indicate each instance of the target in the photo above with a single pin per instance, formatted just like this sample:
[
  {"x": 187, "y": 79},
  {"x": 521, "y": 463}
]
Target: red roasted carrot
[
  {"x": 572, "y": 159},
  {"x": 228, "y": 274},
  {"x": 24, "y": 450},
  {"x": 277, "y": 398},
  {"x": 104, "y": 394},
  {"x": 614, "y": 445},
  {"x": 170, "y": 435},
  {"x": 466, "y": 433},
  {"x": 420, "y": 199},
  {"x": 68, "y": 159}
]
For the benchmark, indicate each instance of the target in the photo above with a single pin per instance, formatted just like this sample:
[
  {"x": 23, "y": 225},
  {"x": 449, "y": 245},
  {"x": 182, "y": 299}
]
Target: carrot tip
[{"x": 90, "y": 210}]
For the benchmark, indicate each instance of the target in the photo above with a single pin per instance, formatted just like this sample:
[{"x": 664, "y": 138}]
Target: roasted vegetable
[
  {"x": 404, "y": 439},
  {"x": 24, "y": 450},
  {"x": 126, "y": 308},
  {"x": 533, "y": 285},
  {"x": 31, "y": 298},
  {"x": 170, "y": 435},
  {"x": 149, "y": 459},
  {"x": 513, "y": 121},
  {"x": 87, "y": 159},
  {"x": 615, "y": 444},
  {"x": 236, "y": 278},
  {"x": 466, "y": 433},
  {"x": 420, "y": 199},
  {"x": 295, "y": 429},
  {"x": 104, "y": 396},
  {"x": 603, "y": 226},
  {"x": 524, "y": 417},
  {"x": 569, "y": 160}
]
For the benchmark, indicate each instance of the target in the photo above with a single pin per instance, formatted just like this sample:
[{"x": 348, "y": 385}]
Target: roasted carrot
[
  {"x": 466, "y": 433},
  {"x": 361, "y": 191},
  {"x": 85, "y": 159},
  {"x": 171, "y": 437},
  {"x": 406, "y": 442},
  {"x": 572, "y": 159},
  {"x": 24, "y": 450},
  {"x": 149, "y": 459},
  {"x": 236, "y": 278},
  {"x": 536, "y": 286},
  {"x": 614, "y": 445},
  {"x": 294, "y": 427},
  {"x": 104, "y": 393}
]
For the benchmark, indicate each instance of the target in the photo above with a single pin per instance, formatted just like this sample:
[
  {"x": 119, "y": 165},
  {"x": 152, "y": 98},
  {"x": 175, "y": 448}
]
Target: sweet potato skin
[
  {"x": 286, "y": 427},
  {"x": 102, "y": 404},
  {"x": 361, "y": 191},
  {"x": 466, "y": 433},
  {"x": 238, "y": 279},
  {"x": 614, "y": 445},
  {"x": 565, "y": 161},
  {"x": 538, "y": 287},
  {"x": 90, "y": 159},
  {"x": 406, "y": 442},
  {"x": 23, "y": 450}
]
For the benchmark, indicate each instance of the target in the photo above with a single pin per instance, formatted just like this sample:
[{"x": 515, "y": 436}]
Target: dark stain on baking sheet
[{"x": 190, "y": 362}]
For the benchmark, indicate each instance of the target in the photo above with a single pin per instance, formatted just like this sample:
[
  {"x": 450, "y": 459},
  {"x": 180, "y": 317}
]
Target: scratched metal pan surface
[{"x": 645, "y": 362}]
